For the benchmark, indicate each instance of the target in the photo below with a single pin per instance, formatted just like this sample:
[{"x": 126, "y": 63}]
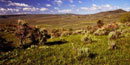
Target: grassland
[
  {"x": 68, "y": 50},
  {"x": 57, "y": 52}
]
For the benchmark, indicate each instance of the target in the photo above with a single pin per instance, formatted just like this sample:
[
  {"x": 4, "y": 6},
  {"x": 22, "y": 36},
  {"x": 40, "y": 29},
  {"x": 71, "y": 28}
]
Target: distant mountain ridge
[{"x": 113, "y": 11}]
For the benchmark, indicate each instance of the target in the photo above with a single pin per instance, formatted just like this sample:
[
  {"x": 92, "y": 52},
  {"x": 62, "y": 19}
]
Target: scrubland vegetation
[{"x": 99, "y": 44}]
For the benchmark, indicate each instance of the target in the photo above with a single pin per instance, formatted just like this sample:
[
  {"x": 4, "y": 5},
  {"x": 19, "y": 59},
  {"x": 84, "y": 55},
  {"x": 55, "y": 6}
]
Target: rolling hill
[{"x": 64, "y": 20}]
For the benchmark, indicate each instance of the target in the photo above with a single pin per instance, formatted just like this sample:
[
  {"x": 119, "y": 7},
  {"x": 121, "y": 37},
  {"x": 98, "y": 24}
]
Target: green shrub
[
  {"x": 66, "y": 33},
  {"x": 112, "y": 35},
  {"x": 112, "y": 44},
  {"x": 36, "y": 35},
  {"x": 56, "y": 32},
  {"x": 100, "y": 23},
  {"x": 87, "y": 38},
  {"x": 125, "y": 18},
  {"x": 100, "y": 31},
  {"x": 44, "y": 36},
  {"x": 79, "y": 32},
  {"x": 83, "y": 52},
  {"x": 112, "y": 39}
]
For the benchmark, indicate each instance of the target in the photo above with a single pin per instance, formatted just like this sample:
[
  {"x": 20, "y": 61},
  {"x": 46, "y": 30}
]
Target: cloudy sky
[{"x": 61, "y": 6}]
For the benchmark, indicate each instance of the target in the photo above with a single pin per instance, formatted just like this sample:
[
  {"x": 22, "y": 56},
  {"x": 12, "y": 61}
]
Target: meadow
[{"x": 75, "y": 40}]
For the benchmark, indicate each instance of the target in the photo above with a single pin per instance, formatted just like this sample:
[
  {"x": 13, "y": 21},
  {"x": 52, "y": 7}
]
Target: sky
[{"x": 61, "y": 6}]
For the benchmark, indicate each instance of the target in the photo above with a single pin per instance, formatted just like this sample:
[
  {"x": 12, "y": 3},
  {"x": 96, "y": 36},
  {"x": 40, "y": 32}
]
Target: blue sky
[{"x": 61, "y": 6}]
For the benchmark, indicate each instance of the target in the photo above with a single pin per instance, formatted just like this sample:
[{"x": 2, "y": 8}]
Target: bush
[
  {"x": 112, "y": 44},
  {"x": 84, "y": 52},
  {"x": 44, "y": 36},
  {"x": 22, "y": 31},
  {"x": 36, "y": 35},
  {"x": 87, "y": 38},
  {"x": 79, "y": 32},
  {"x": 56, "y": 32},
  {"x": 125, "y": 18},
  {"x": 114, "y": 35},
  {"x": 112, "y": 39},
  {"x": 100, "y": 23},
  {"x": 100, "y": 31},
  {"x": 111, "y": 27},
  {"x": 66, "y": 33}
]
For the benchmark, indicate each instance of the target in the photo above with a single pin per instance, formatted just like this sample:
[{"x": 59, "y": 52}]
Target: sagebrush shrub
[
  {"x": 112, "y": 44},
  {"x": 36, "y": 35},
  {"x": 79, "y": 32},
  {"x": 22, "y": 31},
  {"x": 112, "y": 35},
  {"x": 101, "y": 31},
  {"x": 100, "y": 23},
  {"x": 87, "y": 38},
  {"x": 66, "y": 33},
  {"x": 112, "y": 39},
  {"x": 56, "y": 32},
  {"x": 83, "y": 52}
]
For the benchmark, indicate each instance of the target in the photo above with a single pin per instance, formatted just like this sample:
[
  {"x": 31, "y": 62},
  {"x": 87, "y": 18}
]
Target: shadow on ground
[
  {"x": 92, "y": 55},
  {"x": 55, "y": 43},
  {"x": 5, "y": 45}
]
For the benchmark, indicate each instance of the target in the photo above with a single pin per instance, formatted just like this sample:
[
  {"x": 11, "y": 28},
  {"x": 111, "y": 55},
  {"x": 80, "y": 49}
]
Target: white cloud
[
  {"x": 72, "y": 5},
  {"x": 127, "y": 9},
  {"x": 2, "y": 9},
  {"x": 43, "y": 9},
  {"x": 58, "y": 2},
  {"x": 71, "y": 1},
  {"x": 56, "y": 8},
  {"x": 30, "y": 9},
  {"x": 52, "y": 11},
  {"x": 80, "y": 1},
  {"x": 107, "y": 5},
  {"x": 10, "y": 3},
  {"x": 84, "y": 8},
  {"x": 9, "y": 10},
  {"x": 95, "y": 7},
  {"x": 65, "y": 11},
  {"x": 48, "y": 5},
  {"x": 12, "y": 9},
  {"x": 34, "y": 9},
  {"x": 77, "y": 10}
]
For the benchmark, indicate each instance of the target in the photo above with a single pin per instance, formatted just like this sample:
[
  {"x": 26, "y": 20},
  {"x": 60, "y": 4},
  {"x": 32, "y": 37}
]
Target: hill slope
[{"x": 64, "y": 20}]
